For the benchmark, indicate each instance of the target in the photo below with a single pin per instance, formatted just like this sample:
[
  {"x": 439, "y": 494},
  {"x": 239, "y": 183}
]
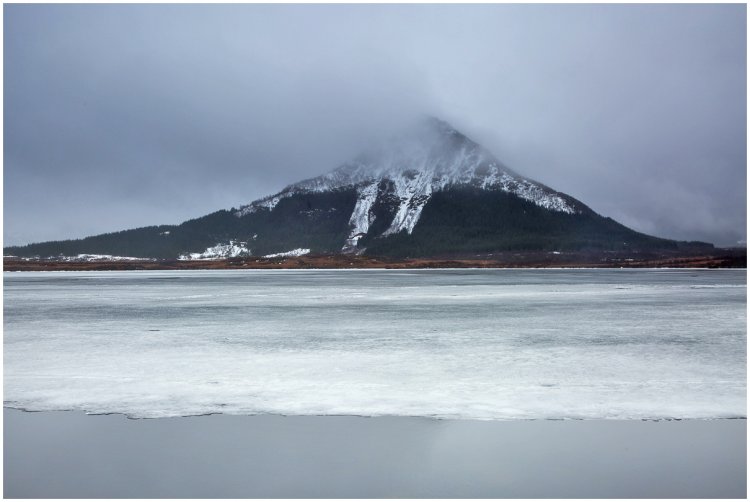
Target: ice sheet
[{"x": 503, "y": 344}]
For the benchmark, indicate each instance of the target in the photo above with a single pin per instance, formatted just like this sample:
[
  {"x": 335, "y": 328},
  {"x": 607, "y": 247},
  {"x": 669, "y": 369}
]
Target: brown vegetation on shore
[{"x": 723, "y": 258}]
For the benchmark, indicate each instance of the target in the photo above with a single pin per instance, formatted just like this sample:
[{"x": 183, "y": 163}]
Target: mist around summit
[{"x": 123, "y": 116}]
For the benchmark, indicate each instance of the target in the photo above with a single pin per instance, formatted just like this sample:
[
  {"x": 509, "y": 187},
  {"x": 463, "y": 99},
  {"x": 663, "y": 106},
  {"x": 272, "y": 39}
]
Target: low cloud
[{"x": 119, "y": 116}]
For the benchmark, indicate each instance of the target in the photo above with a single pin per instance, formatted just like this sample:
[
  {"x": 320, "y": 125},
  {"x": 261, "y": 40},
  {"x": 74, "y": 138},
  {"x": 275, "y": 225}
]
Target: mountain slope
[
  {"x": 405, "y": 172},
  {"x": 429, "y": 192}
]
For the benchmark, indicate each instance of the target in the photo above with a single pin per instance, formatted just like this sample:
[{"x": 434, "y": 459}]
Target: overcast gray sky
[{"x": 119, "y": 116}]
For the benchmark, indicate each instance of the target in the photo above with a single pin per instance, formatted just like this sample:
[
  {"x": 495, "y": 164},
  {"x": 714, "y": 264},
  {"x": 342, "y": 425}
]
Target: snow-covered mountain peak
[
  {"x": 428, "y": 157},
  {"x": 431, "y": 146}
]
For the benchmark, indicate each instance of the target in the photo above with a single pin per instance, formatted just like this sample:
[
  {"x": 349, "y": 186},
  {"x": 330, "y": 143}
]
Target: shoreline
[
  {"x": 728, "y": 258},
  {"x": 74, "y": 455},
  {"x": 382, "y": 269}
]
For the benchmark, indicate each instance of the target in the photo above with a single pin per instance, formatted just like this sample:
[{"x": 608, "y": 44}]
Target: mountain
[{"x": 430, "y": 191}]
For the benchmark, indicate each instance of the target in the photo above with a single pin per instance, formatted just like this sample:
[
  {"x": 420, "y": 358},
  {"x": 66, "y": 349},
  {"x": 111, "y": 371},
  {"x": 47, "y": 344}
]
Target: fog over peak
[{"x": 118, "y": 116}]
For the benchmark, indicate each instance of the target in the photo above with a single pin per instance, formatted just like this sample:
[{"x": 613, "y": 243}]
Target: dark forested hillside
[
  {"x": 463, "y": 221},
  {"x": 318, "y": 221},
  {"x": 455, "y": 222}
]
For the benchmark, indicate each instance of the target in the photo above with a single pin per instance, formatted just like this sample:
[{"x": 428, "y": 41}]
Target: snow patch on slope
[
  {"x": 361, "y": 218},
  {"x": 266, "y": 203},
  {"x": 533, "y": 193},
  {"x": 232, "y": 250},
  {"x": 413, "y": 194},
  {"x": 96, "y": 257},
  {"x": 293, "y": 252}
]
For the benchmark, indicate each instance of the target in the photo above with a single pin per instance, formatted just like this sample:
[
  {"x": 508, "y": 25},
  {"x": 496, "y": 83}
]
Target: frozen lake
[{"x": 484, "y": 344}]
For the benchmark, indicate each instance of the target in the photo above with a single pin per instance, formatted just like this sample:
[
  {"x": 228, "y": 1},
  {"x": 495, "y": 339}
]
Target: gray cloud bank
[{"x": 119, "y": 116}]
